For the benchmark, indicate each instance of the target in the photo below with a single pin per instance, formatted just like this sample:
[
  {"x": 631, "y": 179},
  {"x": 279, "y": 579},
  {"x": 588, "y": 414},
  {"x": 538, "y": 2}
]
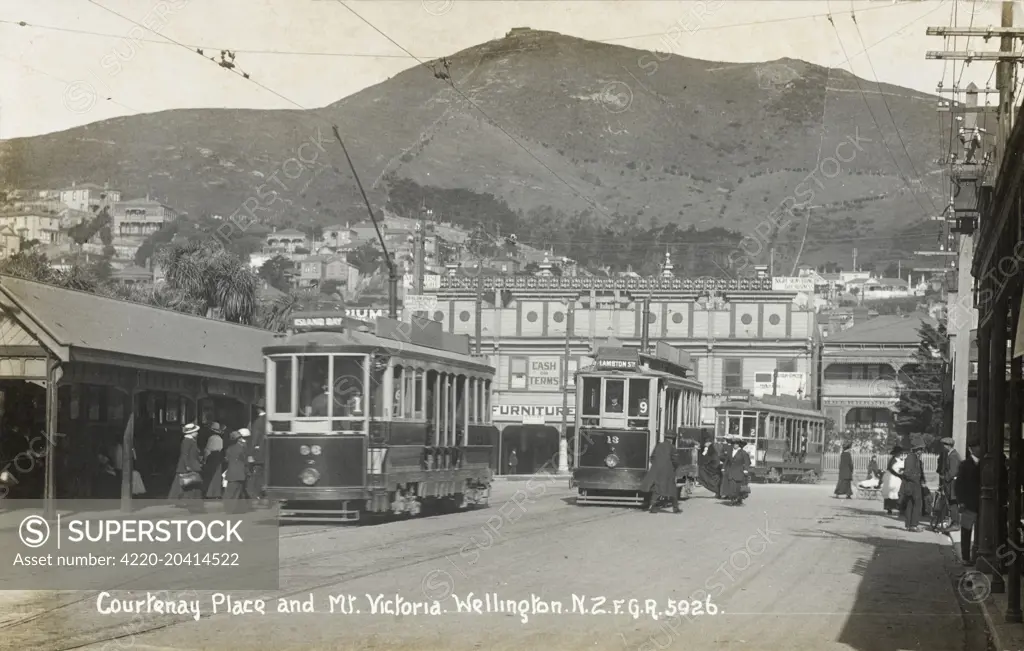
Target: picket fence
[{"x": 861, "y": 459}]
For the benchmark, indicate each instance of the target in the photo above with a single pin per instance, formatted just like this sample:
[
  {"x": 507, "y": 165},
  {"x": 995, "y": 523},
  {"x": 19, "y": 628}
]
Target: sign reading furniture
[{"x": 532, "y": 414}]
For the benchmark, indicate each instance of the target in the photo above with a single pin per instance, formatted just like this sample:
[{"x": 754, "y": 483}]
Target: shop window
[{"x": 787, "y": 365}]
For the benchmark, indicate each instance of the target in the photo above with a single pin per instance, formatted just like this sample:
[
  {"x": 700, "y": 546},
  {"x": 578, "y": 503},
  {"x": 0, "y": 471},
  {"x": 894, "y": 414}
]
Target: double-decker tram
[
  {"x": 785, "y": 436},
  {"x": 625, "y": 403},
  {"x": 375, "y": 418}
]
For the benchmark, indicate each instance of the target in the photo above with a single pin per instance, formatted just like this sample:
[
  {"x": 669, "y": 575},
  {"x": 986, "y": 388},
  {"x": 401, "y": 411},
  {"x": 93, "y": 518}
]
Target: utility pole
[
  {"x": 854, "y": 259},
  {"x": 420, "y": 251},
  {"x": 563, "y": 443},
  {"x": 970, "y": 177}
]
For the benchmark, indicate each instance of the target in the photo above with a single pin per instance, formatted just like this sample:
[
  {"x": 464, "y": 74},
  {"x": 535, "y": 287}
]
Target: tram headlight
[
  {"x": 316, "y": 450},
  {"x": 309, "y": 476},
  {"x": 611, "y": 461},
  {"x": 304, "y": 450}
]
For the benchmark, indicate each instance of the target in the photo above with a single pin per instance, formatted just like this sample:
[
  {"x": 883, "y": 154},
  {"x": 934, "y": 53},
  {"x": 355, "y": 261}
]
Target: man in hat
[
  {"x": 968, "y": 493},
  {"x": 949, "y": 464},
  {"x": 660, "y": 480},
  {"x": 257, "y": 452},
  {"x": 912, "y": 488},
  {"x": 845, "y": 484}
]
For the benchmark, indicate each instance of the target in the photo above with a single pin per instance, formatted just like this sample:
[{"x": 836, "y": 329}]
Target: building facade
[
  {"x": 861, "y": 372},
  {"x": 44, "y": 228},
  {"x": 131, "y": 222},
  {"x": 536, "y": 328},
  {"x": 88, "y": 197}
]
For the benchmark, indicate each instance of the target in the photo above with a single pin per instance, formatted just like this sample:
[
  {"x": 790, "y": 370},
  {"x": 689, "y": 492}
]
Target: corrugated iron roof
[
  {"x": 883, "y": 330},
  {"x": 108, "y": 325}
]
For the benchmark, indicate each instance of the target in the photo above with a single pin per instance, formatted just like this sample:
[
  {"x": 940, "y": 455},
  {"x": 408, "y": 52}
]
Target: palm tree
[
  {"x": 274, "y": 314},
  {"x": 221, "y": 283}
]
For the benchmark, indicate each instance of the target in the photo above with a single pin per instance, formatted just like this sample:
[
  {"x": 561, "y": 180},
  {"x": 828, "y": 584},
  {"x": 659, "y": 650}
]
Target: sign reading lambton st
[{"x": 516, "y": 413}]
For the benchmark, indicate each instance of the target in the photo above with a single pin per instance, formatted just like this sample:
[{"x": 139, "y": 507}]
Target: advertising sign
[
  {"x": 419, "y": 303},
  {"x": 545, "y": 374},
  {"x": 518, "y": 413},
  {"x": 793, "y": 284}
]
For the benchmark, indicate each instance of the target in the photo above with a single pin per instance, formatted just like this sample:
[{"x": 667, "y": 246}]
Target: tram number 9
[
  {"x": 613, "y": 439},
  {"x": 643, "y": 406}
]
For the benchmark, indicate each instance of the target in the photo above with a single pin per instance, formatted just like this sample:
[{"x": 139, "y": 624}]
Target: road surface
[{"x": 791, "y": 569}]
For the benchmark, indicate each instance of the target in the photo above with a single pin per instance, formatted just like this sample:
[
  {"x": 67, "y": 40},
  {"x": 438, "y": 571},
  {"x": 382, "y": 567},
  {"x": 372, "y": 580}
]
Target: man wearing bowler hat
[
  {"x": 912, "y": 488},
  {"x": 949, "y": 465}
]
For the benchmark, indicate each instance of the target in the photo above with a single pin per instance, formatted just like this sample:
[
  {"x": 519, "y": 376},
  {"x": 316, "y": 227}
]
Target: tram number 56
[{"x": 613, "y": 439}]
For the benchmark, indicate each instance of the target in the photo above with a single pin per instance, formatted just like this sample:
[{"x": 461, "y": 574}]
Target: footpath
[{"x": 975, "y": 588}]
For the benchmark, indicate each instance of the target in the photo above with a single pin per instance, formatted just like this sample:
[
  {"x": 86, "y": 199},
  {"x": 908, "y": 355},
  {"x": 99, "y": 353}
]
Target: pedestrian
[
  {"x": 913, "y": 484},
  {"x": 845, "y": 484},
  {"x": 873, "y": 470},
  {"x": 891, "y": 480},
  {"x": 660, "y": 480},
  {"x": 710, "y": 469},
  {"x": 513, "y": 461},
  {"x": 236, "y": 499},
  {"x": 949, "y": 465},
  {"x": 736, "y": 473},
  {"x": 213, "y": 462},
  {"x": 257, "y": 458},
  {"x": 187, "y": 489},
  {"x": 968, "y": 493}
]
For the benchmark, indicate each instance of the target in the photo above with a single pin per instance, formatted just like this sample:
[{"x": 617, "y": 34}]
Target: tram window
[
  {"x": 282, "y": 385},
  {"x": 762, "y": 425},
  {"x": 409, "y": 389},
  {"x": 734, "y": 424},
  {"x": 639, "y": 402},
  {"x": 349, "y": 398},
  {"x": 396, "y": 403},
  {"x": 314, "y": 385},
  {"x": 592, "y": 396},
  {"x": 722, "y": 428},
  {"x": 614, "y": 396}
]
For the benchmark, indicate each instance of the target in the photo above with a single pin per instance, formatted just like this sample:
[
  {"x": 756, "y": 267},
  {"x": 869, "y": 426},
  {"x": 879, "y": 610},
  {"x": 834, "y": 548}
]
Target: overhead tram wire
[
  {"x": 67, "y": 83},
  {"x": 85, "y": 32},
  {"x": 925, "y": 212},
  {"x": 885, "y": 103}
]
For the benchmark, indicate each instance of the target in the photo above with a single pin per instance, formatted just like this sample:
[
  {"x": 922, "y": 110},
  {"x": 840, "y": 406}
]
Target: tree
[
  {"x": 277, "y": 272},
  {"x": 921, "y": 399},
  {"x": 367, "y": 258},
  {"x": 219, "y": 282}
]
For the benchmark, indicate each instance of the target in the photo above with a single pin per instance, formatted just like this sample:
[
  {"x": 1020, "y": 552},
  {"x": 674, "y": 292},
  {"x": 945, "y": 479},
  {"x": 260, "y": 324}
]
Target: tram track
[{"x": 115, "y": 633}]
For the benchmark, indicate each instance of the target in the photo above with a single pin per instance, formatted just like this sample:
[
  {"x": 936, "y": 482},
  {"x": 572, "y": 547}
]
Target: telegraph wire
[
  {"x": 66, "y": 83},
  {"x": 867, "y": 105},
  {"x": 888, "y": 110},
  {"x": 451, "y": 83},
  {"x": 367, "y": 55}
]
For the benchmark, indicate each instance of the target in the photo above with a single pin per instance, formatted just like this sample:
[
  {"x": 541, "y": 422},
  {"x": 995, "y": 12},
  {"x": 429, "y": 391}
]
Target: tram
[
  {"x": 785, "y": 436},
  {"x": 625, "y": 403},
  {"x": 375, "y": 418}
]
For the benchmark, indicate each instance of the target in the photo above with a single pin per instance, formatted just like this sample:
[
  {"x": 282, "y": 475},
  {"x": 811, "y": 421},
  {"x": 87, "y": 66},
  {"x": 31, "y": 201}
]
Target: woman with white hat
[
  {"x": 187, "y": 489},
  {"x": 236, "y": 500},
  {"x": 213, "y": 461}
]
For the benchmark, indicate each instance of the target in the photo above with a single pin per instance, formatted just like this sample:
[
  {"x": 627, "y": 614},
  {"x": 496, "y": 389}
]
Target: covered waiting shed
[{"x": 101, "y": 370}]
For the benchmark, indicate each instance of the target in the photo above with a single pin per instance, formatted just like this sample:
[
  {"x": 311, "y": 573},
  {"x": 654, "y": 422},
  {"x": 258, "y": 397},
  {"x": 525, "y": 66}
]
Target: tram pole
[
  {"x": 392, "y": 269},
  {"x": 563, "y": 441}
]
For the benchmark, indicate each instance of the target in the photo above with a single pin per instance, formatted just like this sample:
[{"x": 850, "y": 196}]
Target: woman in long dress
[
  {"x": 189, "y": 467},
  {"x": 236, "y": 500},
  {"x": 891, "y": 483},
  {"x": 213, "y": 462},
  {"x": 709, "y": 470},
  {"x": 736, "y": 473}
]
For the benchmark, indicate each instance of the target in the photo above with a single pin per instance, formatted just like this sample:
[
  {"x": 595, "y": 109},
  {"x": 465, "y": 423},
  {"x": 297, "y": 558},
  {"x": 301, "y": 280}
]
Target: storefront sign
[
  {"x": 541, "y": 414},
  {"x": 793, "y": 284},
  {"x": 545, "y": 374}
]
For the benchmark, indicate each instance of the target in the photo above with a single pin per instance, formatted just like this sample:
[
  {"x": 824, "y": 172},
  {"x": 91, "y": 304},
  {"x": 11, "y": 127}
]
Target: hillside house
[
  {"x": 10, "y": 242},
  {"x": 318, "y": 269},
  {"x": 89, "y": 197},
  {"x": 132, "y": 275},
  {"x": 288, "y": 240},
  {"x": 44, "y": 228},
  {"x": 337, "y": 237}
]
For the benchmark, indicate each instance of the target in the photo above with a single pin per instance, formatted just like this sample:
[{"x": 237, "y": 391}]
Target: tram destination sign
[{"x": 617, "y": 358}]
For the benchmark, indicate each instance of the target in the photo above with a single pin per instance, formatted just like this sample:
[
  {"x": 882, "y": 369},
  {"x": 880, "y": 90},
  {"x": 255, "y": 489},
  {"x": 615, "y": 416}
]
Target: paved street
[{"x": 792, "y": 569}]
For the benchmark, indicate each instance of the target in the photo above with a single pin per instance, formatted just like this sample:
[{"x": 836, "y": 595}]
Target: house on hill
[
  {"x": 288, "y": 240},
  {"x": 319, "y": 269},
  {"x": 89, "y": 197}
]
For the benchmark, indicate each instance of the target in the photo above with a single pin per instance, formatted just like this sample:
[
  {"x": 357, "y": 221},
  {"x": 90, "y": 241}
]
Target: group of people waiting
[
  {"x": 728, "y": 478},
  {"x": 904, "y": 487},
  {"x": 232, "y": 472}
]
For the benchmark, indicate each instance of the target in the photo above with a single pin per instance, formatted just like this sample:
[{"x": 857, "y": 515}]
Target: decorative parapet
[{"x": 588, "y": 283}]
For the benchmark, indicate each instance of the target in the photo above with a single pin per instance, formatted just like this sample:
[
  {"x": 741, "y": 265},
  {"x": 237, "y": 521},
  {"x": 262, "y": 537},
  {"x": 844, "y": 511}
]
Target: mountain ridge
[{"x": 546, "y": 123}]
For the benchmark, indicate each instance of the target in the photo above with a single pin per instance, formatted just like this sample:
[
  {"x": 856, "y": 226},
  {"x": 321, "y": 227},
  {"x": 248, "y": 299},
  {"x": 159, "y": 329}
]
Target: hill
[{"x": 556, "y": 138}]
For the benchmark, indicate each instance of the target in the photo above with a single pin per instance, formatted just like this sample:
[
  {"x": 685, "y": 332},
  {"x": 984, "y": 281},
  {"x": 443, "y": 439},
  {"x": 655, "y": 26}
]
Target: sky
[{"x": 81, "y": 61}]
